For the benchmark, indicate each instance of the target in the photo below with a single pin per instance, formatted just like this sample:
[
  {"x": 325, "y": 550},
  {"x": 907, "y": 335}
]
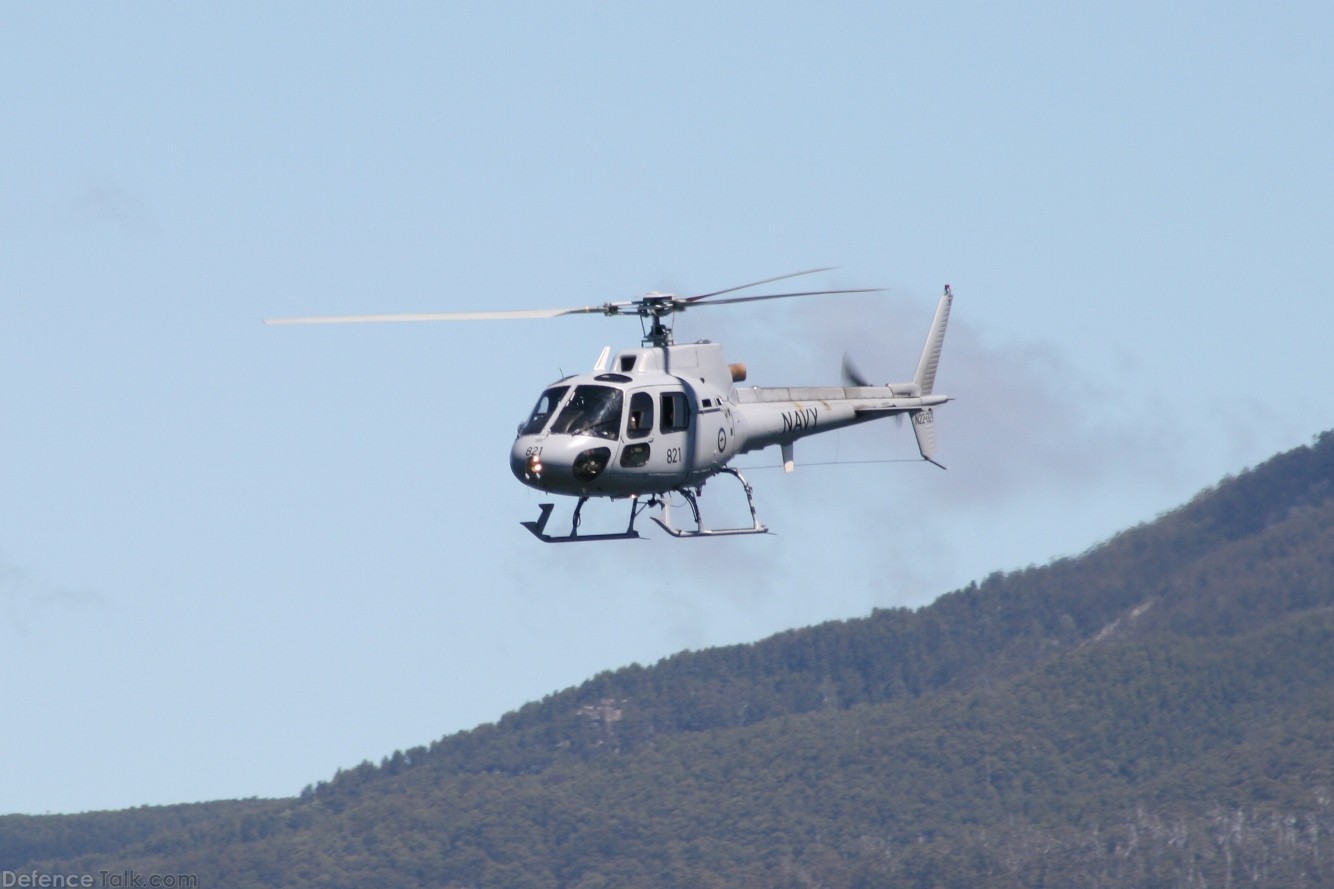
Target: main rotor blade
[
  {"x": 746, "y": 299},
  {"x": 445, "y": 316},
  {"x": 691, "y": 299}
]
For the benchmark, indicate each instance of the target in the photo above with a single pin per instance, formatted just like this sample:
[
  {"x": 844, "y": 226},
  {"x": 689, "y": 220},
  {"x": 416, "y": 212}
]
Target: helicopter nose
[
  {"x": 566, "y": 466},
  {"x": 536, "y": 463},
  {"x": 526, "y": 460}
]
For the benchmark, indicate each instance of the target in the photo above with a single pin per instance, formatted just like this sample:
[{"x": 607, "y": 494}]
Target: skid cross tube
[{"x": 700, "y": 531}]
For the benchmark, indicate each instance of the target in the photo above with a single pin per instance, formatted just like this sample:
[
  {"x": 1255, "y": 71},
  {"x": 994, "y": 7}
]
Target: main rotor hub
[{"x": 658, "y": 306}]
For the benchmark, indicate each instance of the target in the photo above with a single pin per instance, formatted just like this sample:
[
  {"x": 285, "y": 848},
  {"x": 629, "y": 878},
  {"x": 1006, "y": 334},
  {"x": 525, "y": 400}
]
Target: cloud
[
  {"x": 1025, "y": 415},
  {"x": 105, "y": 204},
  {"x": 1044, "y": 458},
  {"x": 25, "y": 599}
]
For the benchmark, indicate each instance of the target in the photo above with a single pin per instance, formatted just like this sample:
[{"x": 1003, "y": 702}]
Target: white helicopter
[{"x": 666, "y": 417}]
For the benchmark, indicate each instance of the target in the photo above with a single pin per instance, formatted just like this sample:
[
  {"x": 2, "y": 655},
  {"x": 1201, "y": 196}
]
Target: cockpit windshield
[
  {"x": 542, "y": 411},
  {"x": 593, "y": 410}
]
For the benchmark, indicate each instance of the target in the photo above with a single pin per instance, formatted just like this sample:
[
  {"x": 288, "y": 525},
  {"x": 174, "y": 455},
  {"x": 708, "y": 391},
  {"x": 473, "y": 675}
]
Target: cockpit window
[
  {"x": 592, "y": 410},
  {"x": 542, "y": 411}
]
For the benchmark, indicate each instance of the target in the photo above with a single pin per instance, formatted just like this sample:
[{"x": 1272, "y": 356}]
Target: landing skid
[
  {"x": 539, "y": 527},
  {"x": 700, "y": 531}
]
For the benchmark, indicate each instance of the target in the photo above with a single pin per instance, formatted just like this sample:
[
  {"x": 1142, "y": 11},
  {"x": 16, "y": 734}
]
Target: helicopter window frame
[
  {"x": 639, "y": 423},
  {"x": 538, "y": 418},
  {"x": 675, "y": 412},
  {"x": 635, "y": 456},
  {"x": 591, "y": 410}
]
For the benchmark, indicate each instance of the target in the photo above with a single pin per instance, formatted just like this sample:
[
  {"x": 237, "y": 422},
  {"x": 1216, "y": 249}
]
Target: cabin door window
[
  {"x": 640, "y": 423},
  {"x": 675, "y": 412}
]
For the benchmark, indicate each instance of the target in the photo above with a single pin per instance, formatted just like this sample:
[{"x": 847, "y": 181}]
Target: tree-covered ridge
[
  {"x": 1033, "y": 776},
  {"x": 26, "y": 838},
  {"x": 1153, "y": 712},
  {"x": 976, "y": 634}
]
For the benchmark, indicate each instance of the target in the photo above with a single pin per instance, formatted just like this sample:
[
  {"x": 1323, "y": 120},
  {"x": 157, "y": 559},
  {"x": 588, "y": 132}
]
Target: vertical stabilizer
[
  {"x": 926, "y": 367},
  {"x": 924, "y": 427}
]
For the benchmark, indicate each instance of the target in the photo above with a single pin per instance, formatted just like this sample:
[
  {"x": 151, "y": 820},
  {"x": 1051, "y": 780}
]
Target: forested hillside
[{"x": 1155, "y": 712}]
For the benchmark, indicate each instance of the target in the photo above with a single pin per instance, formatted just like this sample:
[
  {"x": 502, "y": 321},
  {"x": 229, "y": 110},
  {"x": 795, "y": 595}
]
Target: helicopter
[{"x": 665, "y": 418}]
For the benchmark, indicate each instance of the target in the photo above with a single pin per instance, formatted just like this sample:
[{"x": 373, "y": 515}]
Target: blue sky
[{"x": 235, "y": 558}]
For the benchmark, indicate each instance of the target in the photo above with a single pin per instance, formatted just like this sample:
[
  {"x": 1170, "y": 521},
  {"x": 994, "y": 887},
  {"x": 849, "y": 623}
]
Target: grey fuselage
[{"x": 655, "y": 419}]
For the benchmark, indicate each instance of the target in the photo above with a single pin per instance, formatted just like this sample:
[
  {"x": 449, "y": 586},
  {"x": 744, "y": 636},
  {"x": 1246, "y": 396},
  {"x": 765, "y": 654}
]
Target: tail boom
[{"x": 779, "y": 415}]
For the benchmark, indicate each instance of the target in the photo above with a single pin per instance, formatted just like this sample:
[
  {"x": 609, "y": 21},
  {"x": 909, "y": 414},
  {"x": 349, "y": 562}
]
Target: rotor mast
[{"x": 657, "y": 306}]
